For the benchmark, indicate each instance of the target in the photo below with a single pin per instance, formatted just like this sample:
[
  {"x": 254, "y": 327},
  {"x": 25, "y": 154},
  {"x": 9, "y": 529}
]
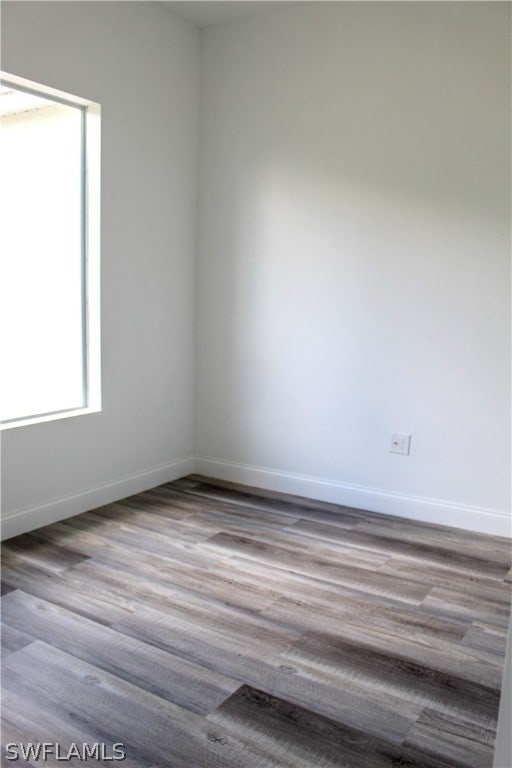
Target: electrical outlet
[{"x": 400, "y": 443}]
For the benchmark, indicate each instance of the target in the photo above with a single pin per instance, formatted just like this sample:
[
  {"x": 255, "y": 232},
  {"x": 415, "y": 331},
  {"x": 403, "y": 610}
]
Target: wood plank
[
  {"x": 160, "y": 501},
  {"x": 324, "y": 550},
  {"x": 452, "y": 659},
  {"x": 481, "y": 545},
  {"x": 303, "y": 588},
  {"x": 320, "y": 567},
  {"x": 290, "y": 503},
  {"x": 147, "y": 724},
  {"x": 311, "y": 608},
  {"x": 212, "y": 614},
  {"x": 142, "y": 540},
  {"x": 29, "y": 718},
  {"x": 69, "y": 592},
  {"x": 464, "y": 744},
  {"x": 269, "y": 514},
  {"x": 229, "y": 585},
  {"x": 14, "y": 639},
  {"x": 95, "y": 533},
  {"x": 459, "y": 605},
  {"x": 478, "y": 585},
  {"x": 486, "y": 637},
  {"x": 125, "y": 513},
  {"x": 303, "y": 508},
  {"x": 47, "y": 556},
  {"x": 298, "y": 738},
  {"x": 257, "y": 663},
  {"x": 174, "y": 679},
  {"x": 186, "y": 482},
  {"x": 427, "y": 548},
  {"x": 346, "y": 660}
]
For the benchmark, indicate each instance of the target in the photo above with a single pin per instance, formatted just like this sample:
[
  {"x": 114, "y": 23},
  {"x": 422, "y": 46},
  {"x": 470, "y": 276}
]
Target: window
[{"x": 49, "y": 241}]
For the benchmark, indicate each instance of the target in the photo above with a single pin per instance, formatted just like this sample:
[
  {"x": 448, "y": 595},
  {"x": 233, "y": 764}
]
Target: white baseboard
[
  {"x": 30, "y": 518},
  {"x": 427, "y": 510},
  {"x": 488, "y": 521}
]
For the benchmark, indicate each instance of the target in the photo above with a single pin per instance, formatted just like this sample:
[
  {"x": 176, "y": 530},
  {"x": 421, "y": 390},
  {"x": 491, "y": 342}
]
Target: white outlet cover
[{"x": 400, "y": 443}]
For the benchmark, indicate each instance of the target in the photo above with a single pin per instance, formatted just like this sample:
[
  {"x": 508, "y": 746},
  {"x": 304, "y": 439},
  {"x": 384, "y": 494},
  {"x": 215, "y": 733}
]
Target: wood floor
[{"x": 205, "y": 625}]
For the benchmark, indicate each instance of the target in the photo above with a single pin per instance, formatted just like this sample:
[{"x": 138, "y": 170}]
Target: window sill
[{"x": 49, "y": 417}]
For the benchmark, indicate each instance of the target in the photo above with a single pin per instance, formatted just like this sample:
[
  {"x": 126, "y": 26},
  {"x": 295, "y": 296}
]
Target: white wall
[
  {"x": 354, "y": 273},
  {"x": 141, "y": 63}
]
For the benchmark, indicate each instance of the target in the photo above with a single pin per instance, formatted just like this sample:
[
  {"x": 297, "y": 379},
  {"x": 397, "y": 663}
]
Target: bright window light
[{"x": 49, "y": 308}]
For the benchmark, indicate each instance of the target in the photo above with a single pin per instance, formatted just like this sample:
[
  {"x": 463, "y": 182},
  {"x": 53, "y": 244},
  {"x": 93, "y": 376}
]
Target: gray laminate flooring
[{"x": 207, "y": 625}]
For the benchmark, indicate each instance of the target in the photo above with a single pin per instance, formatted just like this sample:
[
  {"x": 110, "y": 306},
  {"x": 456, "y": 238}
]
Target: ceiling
[{"x": 204, "y": 14}]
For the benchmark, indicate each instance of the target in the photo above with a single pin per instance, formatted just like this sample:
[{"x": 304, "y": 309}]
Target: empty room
[{"x": 255, "y": 396}]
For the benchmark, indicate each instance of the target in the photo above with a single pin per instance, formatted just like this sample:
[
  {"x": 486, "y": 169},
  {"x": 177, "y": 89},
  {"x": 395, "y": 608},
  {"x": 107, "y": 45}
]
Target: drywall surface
[
  {"x": 354, "y": 263},
  {"x": 140, "y": 62}
]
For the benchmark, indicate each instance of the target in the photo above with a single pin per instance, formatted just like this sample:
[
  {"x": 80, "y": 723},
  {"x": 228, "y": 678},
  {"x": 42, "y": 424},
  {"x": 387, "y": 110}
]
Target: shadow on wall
[
  {"x": 343, "y": 309},
  {"x": 354, "y": 269}
]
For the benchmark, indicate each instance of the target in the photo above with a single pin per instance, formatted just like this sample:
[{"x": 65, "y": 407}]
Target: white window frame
[{"x": 90, "y": 236}]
